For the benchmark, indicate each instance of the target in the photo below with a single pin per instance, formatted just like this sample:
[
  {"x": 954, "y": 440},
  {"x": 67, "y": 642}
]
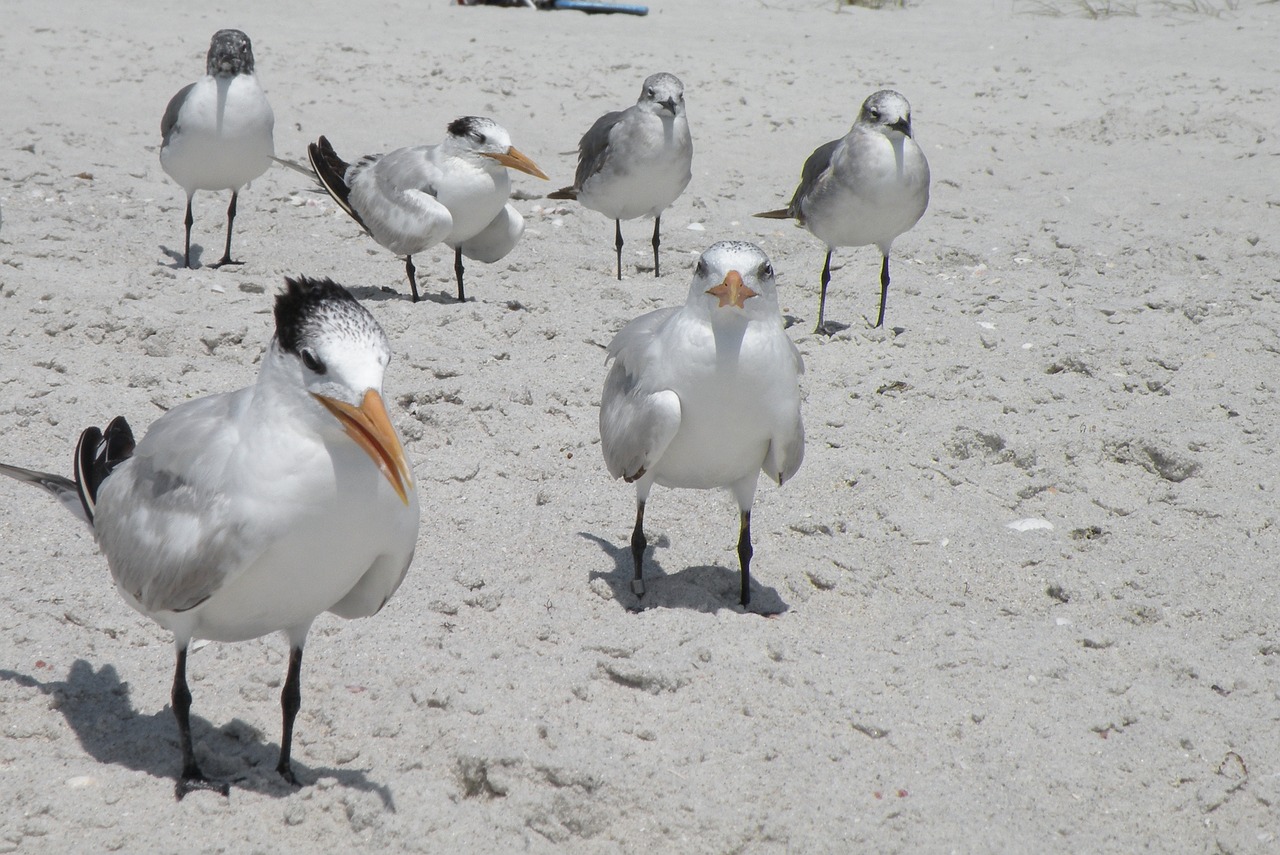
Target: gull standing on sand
[
  {"x": 706, "y": 394},
  {"x": 416, "y": 197},
  {"x": 636, "y": 162},
  {"x": 866, "y": 188},
  {"x": 217, "y": 131},
  {"x": 253, "y": 511}
]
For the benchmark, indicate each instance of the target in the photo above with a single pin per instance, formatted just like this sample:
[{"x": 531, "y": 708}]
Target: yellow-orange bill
[
  {"x": 370, "y": 427},
  {"x": 732, "y": 291},
  {"x": 513, "y": 158}
]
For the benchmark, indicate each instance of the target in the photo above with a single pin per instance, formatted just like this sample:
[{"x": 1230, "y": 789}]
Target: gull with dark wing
[
  {"x": 253, "y": 511},
  {"x": 636, "y": 162},
  {"x": 414, "y": 198},
  {"x": 867, "y": 187},
  {"x": 706, "y": 394},
  {"x": 217, "y": 131}
]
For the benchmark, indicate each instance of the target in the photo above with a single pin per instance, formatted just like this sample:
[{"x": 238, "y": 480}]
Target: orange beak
[
  {"x": 370, "y": 427},
  {"x": 732, "y": 291},
  {"x": 514, "y": 159}
]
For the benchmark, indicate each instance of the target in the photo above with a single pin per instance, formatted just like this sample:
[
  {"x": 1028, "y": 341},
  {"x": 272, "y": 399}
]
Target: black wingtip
[
  {"x": 570, "y": 193},
  {"x": 780, "y": 214},
  {"x": 331, "y": 172},
  {"x": 97, "y": 456}
]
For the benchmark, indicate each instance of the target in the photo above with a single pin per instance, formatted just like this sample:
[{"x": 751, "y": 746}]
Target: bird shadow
[
  {"x": 704, "y": 588},
  {"x": 385, "y": 293},
  {"x": 178, "y": 262},
  {"x": 830, "y": 328},
  {"x": 96, "y": 706}
]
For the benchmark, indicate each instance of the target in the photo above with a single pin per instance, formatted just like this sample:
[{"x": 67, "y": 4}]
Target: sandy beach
[{"x": 1019, "y": 598}]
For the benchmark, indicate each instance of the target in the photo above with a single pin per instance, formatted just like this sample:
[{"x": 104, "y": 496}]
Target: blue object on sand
[{"x": 598, "y": 7}]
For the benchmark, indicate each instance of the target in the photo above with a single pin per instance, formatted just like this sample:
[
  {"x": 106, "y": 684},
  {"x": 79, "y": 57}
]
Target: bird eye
[
  {"x": 478, "y": 137},
  {"x": 766, "y": 271},
  {"x": 312, "y": 361},
  {"x": 701, "y": 269},
  {"x": 649, "y": 92}
]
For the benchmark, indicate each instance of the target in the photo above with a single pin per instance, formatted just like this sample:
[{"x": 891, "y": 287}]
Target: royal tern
[
  {"x": 636, "y": 162},
  {"x": 867, "y": 187},
  {"x": 217, "y": 131},
  {"x": 416, "y": 197},
  {"x": 706, "y": 394},
  {"x": 252, "y": 511}
]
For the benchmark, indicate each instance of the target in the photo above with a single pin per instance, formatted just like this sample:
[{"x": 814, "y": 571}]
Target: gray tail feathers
[
  {"x": 331, "y": 172},
  {"x": 98, "y": 453},
  {"x": 60, "y": 488}
]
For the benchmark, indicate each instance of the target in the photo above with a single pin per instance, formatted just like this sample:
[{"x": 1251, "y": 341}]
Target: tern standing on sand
[
  {"x": 636, "y": 162},
  {"x": 867, "y": 187},
  {"x": 217, "y": 131},
  {"x": 706, "y": 394},
  {"x": 253, "y": 511},
  {"x": 415, "y": 197}
]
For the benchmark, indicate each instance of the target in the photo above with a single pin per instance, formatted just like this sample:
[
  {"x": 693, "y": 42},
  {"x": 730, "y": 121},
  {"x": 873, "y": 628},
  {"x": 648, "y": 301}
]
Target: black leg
[
  {"x": 231, "y": 219},
  {"x": 822, "y": 296},
  {"x": 884, "y": 288},
  {"x": 638, "y": 545},
  {"x": 617, "y": 244},
  {"x": 457, "y": 271},
  {"x": 186, "y": 247},
  {"x": 412, "y": 273},
  {"x": 744, "y": 556},
  {"x": 290, "y": 702},
  {"x": 657, "y": 224},
  {"x": 192, "y": 778}
]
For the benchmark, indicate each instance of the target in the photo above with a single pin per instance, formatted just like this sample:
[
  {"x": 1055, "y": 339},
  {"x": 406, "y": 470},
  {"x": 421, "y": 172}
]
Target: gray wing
[
  {"x": 817, "y": 166},
  {"x": 172, "y": 530},
  {"x": 637, "y": 421},
  {"x": 370, "y": 594},
  {"x": 170, "y": 120},
  {"x": 410, "y": 168},
  {"x": 496, "y": 239},
  {"x": 395, "y": 195},
  {"x": 593, "y": 149},
  {"x": 786, "y": 439}
]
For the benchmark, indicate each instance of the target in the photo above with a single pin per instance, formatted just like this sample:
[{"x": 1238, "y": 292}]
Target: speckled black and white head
[
  {"x": 887, "y": 111},
  {"x": 341, "y": 353},
  {"x": 334, "y": 338},
  {"x": 662, "y": 93},
  {"x": 734, "y": 277},
  {"x": 475, "y": 137},
  {"x": 229, "y": 54}
]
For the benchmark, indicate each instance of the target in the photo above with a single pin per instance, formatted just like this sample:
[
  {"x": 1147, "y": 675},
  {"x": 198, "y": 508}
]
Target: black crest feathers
[{"x": 303, "y": 299}]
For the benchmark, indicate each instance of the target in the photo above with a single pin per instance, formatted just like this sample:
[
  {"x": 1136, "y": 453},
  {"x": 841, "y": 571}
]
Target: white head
[
  {"x": 734, "y": 279},
  {"x": 340, "y": 353},
  {"x": 481, "y": 139},
  {"x": 888, "y": 112},
  {"x": 663, "y": 95}
]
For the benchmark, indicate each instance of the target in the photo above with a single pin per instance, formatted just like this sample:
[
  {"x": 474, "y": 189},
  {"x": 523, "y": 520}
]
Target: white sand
[{"x": 1083, "y": 331}]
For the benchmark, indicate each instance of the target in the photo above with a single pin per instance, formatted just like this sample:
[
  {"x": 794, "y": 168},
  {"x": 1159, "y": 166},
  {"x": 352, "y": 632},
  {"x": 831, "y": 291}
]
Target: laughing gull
[
  {"x": 867, "y": 187},
  {"x": 217, "y": 131},
  {"x": 636, "y": 162}
]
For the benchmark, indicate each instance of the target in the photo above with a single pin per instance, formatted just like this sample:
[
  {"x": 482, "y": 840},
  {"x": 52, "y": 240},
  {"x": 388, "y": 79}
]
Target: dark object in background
[{"x": 591, "y": 7}]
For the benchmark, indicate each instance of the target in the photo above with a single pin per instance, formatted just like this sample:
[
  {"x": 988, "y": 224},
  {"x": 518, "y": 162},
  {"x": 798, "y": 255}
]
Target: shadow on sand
[
  {"x": 705, "y": 588},
  {"x": 96, "y": 706}
]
